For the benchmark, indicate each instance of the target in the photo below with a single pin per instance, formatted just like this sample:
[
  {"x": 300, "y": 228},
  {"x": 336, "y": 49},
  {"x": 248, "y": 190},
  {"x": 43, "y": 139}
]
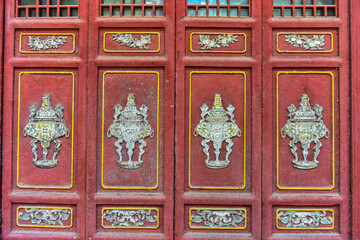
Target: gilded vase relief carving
[
  {"x": 130, "y": 41},
  {"x": 305, "y": 219},
  {"x": 215, "y": 126},
  {"x": 50, "y": 42},
  {"x": 46, "y": 125},
  {"x": 216, "y": 42},
  {"x": 45, "y": 217},
  {"x": 136, "y": 218},
  {"x": 305, "y": 126},
  {"x": 217, "y": 218},
  {"x": 130, "y": 125},
  {"x": 314, "y": 43}
]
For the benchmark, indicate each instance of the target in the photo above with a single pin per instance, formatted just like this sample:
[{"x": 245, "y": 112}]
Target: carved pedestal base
[
  {"x": 304, "y": 164},
  {"x": 217, "y": 164},
  {"x": 130, "y": 165},
  {"x": 46, "y": 163}
]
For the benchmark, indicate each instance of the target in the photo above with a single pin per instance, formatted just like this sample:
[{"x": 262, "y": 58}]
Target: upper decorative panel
[
  {"x": 218, "y": 8},
  {"x": 131, "y": 8},
  {"x": 218, "y": 42},
  {"x": 305, "y": 43},
  {"x": 47, "y": 43},
  {"x": 305, "y": 8},
  {"x": 47, "y": 8}
]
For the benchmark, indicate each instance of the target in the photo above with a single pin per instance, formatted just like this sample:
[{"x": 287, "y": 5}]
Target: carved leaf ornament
[
  {"x": 303, "y": 219},
  {"x": 314, "y": 43},
  {"x": 50, "y": 42},
  {"x": 130, "y": 41},
  {"x": 218, "y": 218},
  {"x": 47, "y": 217},
  {"x": 130, "y": 218},
  {"x": 216, "y": 42}
]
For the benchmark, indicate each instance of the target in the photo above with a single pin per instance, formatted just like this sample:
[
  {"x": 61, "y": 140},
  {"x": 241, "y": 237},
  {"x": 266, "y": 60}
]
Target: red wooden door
[{"x": 200, "y": 119}]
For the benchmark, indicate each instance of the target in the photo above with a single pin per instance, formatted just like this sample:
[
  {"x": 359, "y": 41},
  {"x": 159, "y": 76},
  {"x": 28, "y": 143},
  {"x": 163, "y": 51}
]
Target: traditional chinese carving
[
  {"x": 45, "y": 217},
  {"x": 218, "y": 218},
  {"x": 130, "y": 41},
  {"x": 130, "y": 218},
  {"x": 216, "y": 42},
  {"x": 304, "y": 219},
  {"x": 314, "y": 43},
  {"x": 217, "y": 127},
  {"x": 50, "y": 42},
  {"x": 130, "y": 125},
  {"x": 46, "y": 125},
  {"x": 305, "y": 125}
]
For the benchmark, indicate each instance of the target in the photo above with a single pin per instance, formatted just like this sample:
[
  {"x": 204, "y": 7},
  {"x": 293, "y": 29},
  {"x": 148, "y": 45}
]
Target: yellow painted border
[
  {"x": 190, "y": 129},
  {"x": 212, "y": 51},
  {"x": 47, "y": 34},
  {"x": 42, "y": 226},
  {"x": 118, "y": 51},
  {"x": 219, "y": 209},
  {"x": 305, "y": 33},
  {"x": 157, "y": 130},
  {"x": 72, "y": 132},
  {"x": 303, "y": 210},
  {"x": 114, "y": 208},
  {"x": 278, "y": 131}
]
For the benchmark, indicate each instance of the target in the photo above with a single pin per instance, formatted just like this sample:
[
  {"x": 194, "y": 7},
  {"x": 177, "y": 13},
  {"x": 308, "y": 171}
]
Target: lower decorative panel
[
  {"x": 51, "y": 218},
  {"x": 130, "y": 218},
  {"x": 306, "y": 219},
  {"x": 217, "y": 219},
  {"x": 127, "y": 219}
]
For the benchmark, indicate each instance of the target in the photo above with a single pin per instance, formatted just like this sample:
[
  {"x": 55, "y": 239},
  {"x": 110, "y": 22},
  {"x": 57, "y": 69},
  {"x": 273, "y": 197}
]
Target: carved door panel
[
  {"x": 43, "y": 185},
  {"x": 218, "y": 119},
  {"x": 305, "y": 98}
]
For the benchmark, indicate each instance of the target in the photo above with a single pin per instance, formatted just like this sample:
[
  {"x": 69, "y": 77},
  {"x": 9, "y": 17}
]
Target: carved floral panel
[
  {"x": 44, "y": 217},
  {"x": 146, "y": 218},
  {"x": 305, "y": 219},
  {"x": 47, "y": 43},
  {"x": 217, "y": 218}
]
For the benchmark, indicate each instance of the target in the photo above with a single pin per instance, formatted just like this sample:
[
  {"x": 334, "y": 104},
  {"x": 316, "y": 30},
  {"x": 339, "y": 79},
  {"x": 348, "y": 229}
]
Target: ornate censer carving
[
  {"x": 305, "y": 125},
  {"x": 217, "y": 128},
  {"x": 46, "y": 125},
  {"x": 130, "y": 125}
]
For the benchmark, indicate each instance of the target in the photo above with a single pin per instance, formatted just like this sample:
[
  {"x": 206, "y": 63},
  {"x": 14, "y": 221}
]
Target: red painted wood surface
[
  {"x": 279, "y": 187},
  {"x": 198, "y": 186},
  {"x": 105, "y": 72},
  {"x": 355, "y": 126}
]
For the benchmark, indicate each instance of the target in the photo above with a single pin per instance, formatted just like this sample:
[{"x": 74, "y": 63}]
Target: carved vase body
[
  {"x": 305, "y": 126},
  {"x": 46, "y": 125},
  {"x": 131, "y": 127},
  {"x": 217, "y": 128}
]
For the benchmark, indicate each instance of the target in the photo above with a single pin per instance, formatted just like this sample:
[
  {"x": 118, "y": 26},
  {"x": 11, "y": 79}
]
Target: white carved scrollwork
[
  {"x": 216, "y": 42},
  {"x": 130, "y": 125},
  {"x": 305, "y": 126},
  {"x": 130, "y": 218},
  {"x": 218, "y": 218},
  {"x": 314, "y": 43},
  {"x": 45, "y": 217},
  {"x": 130, "y": 41},
  {"x": 217, "y": 128},
  {"x": 50, "y": 42},
  {"x": 304, "y": 219},
  {"x": 46, "y": 125}
]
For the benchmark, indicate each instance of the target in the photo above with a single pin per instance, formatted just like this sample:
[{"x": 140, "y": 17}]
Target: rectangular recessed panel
[{"x": 38, "y": 164}]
